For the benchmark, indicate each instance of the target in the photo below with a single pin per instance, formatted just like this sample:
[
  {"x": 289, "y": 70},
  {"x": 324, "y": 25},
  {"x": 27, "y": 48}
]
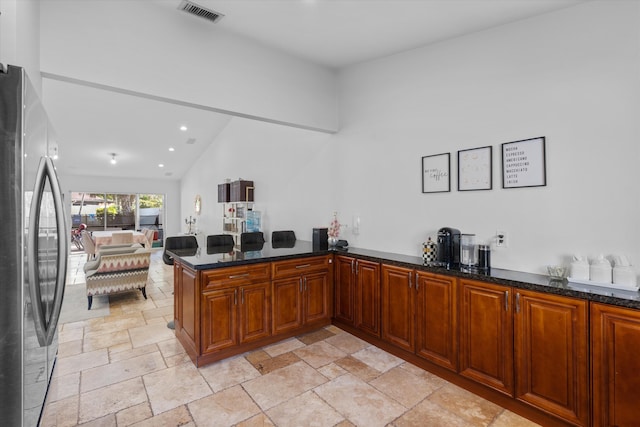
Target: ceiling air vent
[
  {"x": 194, "y": 9},
  {"x": 191, "y": 141}
]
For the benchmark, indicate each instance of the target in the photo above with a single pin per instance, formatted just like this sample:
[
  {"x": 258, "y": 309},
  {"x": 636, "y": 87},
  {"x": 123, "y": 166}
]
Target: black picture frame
[
  {"x": 524, "y": 163},
  {"x": 436, "y": 173},
  {"x": 475, "y": 169}
]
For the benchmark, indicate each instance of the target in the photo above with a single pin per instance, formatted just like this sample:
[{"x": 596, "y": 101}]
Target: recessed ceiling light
[
  {"x": 113, "y": 159},
  {"x": 183, "y": 128},
  {"x": 172, "y": 149},
  {"x": 161, "y": 165}
]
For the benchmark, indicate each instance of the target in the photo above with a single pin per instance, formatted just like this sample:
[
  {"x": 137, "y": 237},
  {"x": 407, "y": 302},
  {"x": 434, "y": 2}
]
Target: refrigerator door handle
[
  {"x": 46, "y": 328},
  {"x": 63, "y": 242}
]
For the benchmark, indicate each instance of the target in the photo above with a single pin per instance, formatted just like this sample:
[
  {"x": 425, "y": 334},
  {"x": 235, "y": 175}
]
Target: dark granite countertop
[
  {"x": 220, "y": 257},
  {"x": 203, "y": 259}
]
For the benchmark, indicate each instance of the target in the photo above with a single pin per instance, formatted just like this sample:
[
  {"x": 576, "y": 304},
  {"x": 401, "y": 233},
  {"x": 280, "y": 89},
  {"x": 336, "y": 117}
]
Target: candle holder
[{"x": 190, "y": 222}]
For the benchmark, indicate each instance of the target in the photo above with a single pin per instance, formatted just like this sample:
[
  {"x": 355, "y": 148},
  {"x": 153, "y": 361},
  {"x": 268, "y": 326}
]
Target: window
[{"x": 105, "y": 211}]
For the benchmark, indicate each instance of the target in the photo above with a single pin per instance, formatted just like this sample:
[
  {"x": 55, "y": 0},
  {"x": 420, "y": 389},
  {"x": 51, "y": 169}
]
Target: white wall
[
  {"x": 152, "y": 48},
  {"x": 92, "y": 184},
  {"x": 289, "y": 168},
  {"x": 571, "y": 76}
]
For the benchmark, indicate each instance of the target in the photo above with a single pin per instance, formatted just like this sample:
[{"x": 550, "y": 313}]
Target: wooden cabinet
[
  {"x": 301, "y": 293},
  {"x": 398, "y": 307},
  {"x": 436, "y": 319},
  {"x": 367, "y": 297},
  {"x": 551, "y": 354},
  {"x": 235, "y": 307},
  {"x": 316, "y": 293},
  {"x": 529, "y": 345},
  {"x": 357, "y": 294},
  {"x": 615, "y": 340},
  {"x": 222, "y": 312},
  {"x": 186, "y": 307},
  {"x": 419, "y": 314},
  {"x": 220, "y": 319},
  {"x": 287, "y": 304},
  {"x": 344, "y": 290},
  {"x": 486, "y": 334}
]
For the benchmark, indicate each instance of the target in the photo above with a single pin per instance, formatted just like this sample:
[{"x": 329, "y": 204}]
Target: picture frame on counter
[
  {"x": 475, "y": 169},
  {"x": 524, "y": 163},
  {"x": 436, "y": 173}
]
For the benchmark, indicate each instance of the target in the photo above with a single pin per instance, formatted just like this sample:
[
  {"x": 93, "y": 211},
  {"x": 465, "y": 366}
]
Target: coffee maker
[{"x": 449, "y": 247}]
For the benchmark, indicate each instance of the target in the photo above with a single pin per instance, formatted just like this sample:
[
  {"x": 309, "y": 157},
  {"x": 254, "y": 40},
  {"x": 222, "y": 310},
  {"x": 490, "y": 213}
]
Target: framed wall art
[
  {"x": 436, "y": 171},
  {"x": 524, "y": 163},
  {"x": 475, "y": 169}
]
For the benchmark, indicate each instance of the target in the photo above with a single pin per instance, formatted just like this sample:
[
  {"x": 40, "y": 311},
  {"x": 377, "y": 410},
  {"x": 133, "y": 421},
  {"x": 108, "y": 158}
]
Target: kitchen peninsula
[{"x": 551, "y": 351}]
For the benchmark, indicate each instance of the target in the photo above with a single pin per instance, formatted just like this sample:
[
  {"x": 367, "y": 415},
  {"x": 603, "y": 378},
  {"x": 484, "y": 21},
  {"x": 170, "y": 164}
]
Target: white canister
[
  {"x": 624, "y": 276},
  {"x": 600, "y": 270},
  {"x": 579, "y": 268},
  {"x": 623, "y": 273}
]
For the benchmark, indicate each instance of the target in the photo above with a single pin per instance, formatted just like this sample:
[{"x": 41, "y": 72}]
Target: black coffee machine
[{"x": 449, "y": 247}]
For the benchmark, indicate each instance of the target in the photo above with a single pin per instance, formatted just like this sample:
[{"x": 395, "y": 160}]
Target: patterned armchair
[{"x": 117, "y": 271}]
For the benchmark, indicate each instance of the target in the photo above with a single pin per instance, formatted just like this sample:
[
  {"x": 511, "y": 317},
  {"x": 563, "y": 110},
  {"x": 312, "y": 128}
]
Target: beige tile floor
[{"x": 127, "y": 369}]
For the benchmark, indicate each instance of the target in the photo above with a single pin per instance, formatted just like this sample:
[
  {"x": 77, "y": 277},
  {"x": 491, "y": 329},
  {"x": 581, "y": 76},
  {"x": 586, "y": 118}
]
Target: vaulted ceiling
[{"x": 330, "y": 33}]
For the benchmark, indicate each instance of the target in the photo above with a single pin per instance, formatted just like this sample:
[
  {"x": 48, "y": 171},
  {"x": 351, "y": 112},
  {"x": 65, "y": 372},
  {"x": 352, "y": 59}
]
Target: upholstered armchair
[{"x": 117, "y": 270}]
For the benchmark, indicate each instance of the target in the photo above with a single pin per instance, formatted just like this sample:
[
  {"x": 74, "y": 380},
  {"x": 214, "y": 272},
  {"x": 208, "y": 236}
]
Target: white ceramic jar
[{"x": 600, "y": 270}]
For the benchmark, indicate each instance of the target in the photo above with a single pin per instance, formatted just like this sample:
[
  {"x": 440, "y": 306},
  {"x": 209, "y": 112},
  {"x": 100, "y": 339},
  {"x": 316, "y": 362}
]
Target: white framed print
[
  {"x": 475, "y": 169},
  {"x": 524, "y": 163},
  {"x": 436, "y": 171}
]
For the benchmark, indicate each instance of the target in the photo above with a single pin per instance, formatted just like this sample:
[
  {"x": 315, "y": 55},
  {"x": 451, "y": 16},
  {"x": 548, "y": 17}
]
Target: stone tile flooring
[{"x": 127, "y": 369}]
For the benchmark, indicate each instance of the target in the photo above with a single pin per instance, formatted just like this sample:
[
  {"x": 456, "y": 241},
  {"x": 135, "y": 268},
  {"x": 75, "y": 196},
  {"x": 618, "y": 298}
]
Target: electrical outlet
[{"x": 501, "y": 239}]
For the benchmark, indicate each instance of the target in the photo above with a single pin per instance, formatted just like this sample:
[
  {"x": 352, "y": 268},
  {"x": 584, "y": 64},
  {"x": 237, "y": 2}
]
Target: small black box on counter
[
  {"x": 242, "y": 191},
  {"x": 224, "y": 192},
  {"x": 320, "y": 239}
]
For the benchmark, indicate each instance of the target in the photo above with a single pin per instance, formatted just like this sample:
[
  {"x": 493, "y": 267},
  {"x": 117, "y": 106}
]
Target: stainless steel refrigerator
[{"x": 33, "y": 251}]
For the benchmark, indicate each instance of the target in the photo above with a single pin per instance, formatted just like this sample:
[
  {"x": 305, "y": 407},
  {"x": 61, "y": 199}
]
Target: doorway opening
[{"x": 118, "y": 211}]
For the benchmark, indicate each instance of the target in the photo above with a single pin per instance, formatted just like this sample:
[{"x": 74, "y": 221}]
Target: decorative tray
[{"x": 603, "y": 284}]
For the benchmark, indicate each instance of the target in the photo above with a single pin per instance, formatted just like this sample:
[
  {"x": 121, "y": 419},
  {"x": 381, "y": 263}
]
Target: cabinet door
[
  {"x": 287, "y": 304},
  {"x": 551, "y": 353},
  {"x": 186, "y": 303},
  {"x": 316, "y": 296},
  {"x": 398, "y": 307},
  {"x": 177, "y": 291},
  {"x": 255, "y": 312},
  {"x": 615, "y": 339},
  {"x": 344, "y": 290},
  {"x": 486, "y": 334},
  {"x": 219, "y": 320},
  {"x": 367, "y": 297},
  {"x": 436, "y": 319}
]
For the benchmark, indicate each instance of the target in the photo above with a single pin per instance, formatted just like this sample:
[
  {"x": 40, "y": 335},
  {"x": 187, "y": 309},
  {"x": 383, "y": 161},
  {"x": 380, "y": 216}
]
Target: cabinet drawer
[
  {"x": 299, "y": 266},
  {"x": 224, "y": 277}
]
